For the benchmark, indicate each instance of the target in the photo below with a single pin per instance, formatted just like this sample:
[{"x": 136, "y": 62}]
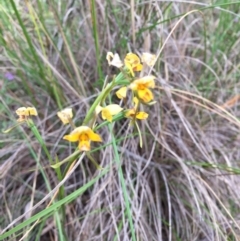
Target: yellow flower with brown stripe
[
  {"x": 109, "y": 111},
  {"x": 122, "y": 92},
  {"x": 25, "y": 112},
  {"x": 134, "y": 113},
  {"x": 84, "y": 135},
  {"x": 133, "y": 63},
  {"x": 65, "y": 115},
  {"x": 142, "y": 88}
]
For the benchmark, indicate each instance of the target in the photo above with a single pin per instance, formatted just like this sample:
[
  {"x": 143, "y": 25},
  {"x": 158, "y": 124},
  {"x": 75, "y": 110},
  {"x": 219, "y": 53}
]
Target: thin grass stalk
[
  {"x": 123, "y": 184},
  {"x": 40, "y": 67},
  {"x": 60, "y": 225},
  {"x": 49, "y": 73},
  {"x": 96, "y": 38},
  {"x": 70, "y": 54},
  {"x": 51, "y": 209}
]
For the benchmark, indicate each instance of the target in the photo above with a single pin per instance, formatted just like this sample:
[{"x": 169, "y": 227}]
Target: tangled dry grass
[{"x": 184, "y": 183}]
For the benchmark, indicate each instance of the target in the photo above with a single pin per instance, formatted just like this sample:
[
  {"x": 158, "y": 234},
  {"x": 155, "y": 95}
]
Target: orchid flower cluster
[{"x": 138, "y": 89}]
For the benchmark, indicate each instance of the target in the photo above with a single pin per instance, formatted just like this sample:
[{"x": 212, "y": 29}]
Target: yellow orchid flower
[
  {"x": 65, "y": 115},
  {"x": 114, "y": 60},
  {"x": 131, "y": 114},
  {"x": 133, "y": 63},
  {"x": 141, "y": 87},
  {"x": 148, "y": 59},
  {"x": 122, "y": 93},
  {"x": 109, "y": 111},
  {"x": 84, "y": 135},
  {"x": 25, "y": 112},
  {"x": 134, "y": 113}
]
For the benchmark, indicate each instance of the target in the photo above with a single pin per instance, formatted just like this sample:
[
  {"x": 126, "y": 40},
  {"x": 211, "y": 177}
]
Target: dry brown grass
[{"x": 184, "y": 183}]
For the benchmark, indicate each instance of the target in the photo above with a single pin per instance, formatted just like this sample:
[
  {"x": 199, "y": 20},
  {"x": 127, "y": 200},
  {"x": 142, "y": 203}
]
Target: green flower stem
[
  {"x": 119, "y": 77},
  {"x": 39, "y": 138},
  {"x": 55, "y": 91},
  {"x": 13, "y": 127},
  {"x": 140, "y": 135},
  {"x": 122, "y": 79},
  {"x": 69, "y": 159},
  {"x": 118, "y": 80},
  {"x": 94, "y": 161},
  {"x": 123, "y": 82},
  {"x": 117, "y": 117},
  {"x": 95, "y": 104},
  {"x": 106, "y": 93},
  {"x": 61, "y": 193},
  {"x": 70, "y": 162}
]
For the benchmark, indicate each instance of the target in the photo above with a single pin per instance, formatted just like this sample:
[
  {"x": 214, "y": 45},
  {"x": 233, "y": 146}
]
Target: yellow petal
[
  {"x": 76, "y": 133},
  {"x": 114, "y": 60},
  {"x": 133, "y": 86},
  {"x": 65, "y": 115},
  {"x": 132, "y": 59},
  {"x": 84, "y": 145},
  {"x": 133, "y": 63},
  {"x": 23, "y": 111},
  {"x": 148, "y": 59},
  {"x": 98, "y": 109},
  {"x": 84, "y": 137},
  {"x": 84, "y": 140},
  {"x": 72, "y": 137},
  {"x": 110, "y": 110},
  {"x": 135, "y": 101},
  {"x": 138, "y": 67},
  {"x": 122, "y": 92},
  {"x": 81, "y": 129},
  {"x": 129, "y": 67},
  {"x": 145, "y": 82},
  {"x": 32, "y": 111},
  {"x": 106, "y": 115},
  {"x": 114, "y": 109},
  {"x": 94, "y": 137},
  {"x": 130, "y": 113},
  {"x": 145, "y": 95},
  {"x": 82, "y": 133},
  {"x": 149, "y": 81},
  {"x": 142, "y": 115},
  {"x": 91, "y": 135}
]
